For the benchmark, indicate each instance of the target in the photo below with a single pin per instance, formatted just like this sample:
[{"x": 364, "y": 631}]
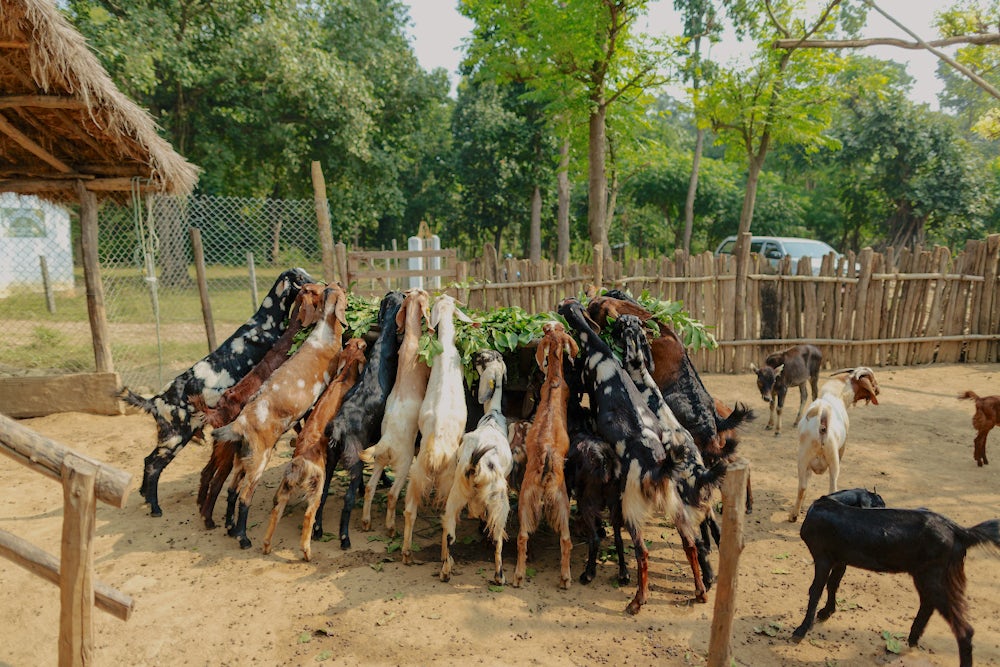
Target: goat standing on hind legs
[
  {"x": 484, "y": 462},
  {"x": 399, "y": 425},
  {"x": 840, "y": 531},
  {"x": 543, "y": 488},
  {"x": 307, "y": 469},
  {"x": 283, "y": 400},
  {"x": 987, "y": 416}
]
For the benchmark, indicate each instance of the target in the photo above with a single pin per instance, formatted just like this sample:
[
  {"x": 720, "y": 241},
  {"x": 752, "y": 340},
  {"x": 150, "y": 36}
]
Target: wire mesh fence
[{"x": 154, "y": 311}]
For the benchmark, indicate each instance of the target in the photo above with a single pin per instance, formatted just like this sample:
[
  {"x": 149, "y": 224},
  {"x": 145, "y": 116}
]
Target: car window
[
  {"x": 807, "y": 248},
  {"x": 756, "y": 246},
  {"x": 727, "y": 247}
]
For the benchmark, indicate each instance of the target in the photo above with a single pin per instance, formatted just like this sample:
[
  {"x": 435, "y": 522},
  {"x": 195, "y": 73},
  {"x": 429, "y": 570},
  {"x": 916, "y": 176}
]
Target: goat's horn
[{"x": 841, "y": 371}]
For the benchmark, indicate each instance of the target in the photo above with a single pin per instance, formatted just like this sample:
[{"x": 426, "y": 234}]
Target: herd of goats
[{"x": 632, "y": 434}]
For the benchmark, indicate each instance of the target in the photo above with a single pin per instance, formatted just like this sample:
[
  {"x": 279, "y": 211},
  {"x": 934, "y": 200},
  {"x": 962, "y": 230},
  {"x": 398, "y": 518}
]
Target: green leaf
[
  {"x": 305, "y": 637},
  {"x": 496, "y": 588},
  {"x": 892, "y": 643}
]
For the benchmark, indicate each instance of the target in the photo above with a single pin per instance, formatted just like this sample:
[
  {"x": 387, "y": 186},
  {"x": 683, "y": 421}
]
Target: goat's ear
[
  {"x": 460, "y": 314},
  {"x": 571, "y": 346},
  {"x": 590, "y": 321},
  {"x": 753, "y": 367},
  {"x": 401, "y": 316},
  {"x": 341, "y": 307},
  {"x": 777, "y": 371},
  {"x": 542, "y": 353}
]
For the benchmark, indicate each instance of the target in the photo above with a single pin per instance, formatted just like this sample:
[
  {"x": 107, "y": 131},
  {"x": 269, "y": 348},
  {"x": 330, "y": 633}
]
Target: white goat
[
  {"x": 399, "y": 425},
  {"x": 442, "y": 421},
  {"x": 484, "y": 463},
  {"x": 823, "y": 430}
]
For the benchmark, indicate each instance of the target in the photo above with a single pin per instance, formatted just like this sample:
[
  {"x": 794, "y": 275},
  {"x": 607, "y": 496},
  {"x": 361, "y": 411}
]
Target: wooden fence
[
  {"x": 84, "y": 481},
  {"x": 903, "y": 307}
]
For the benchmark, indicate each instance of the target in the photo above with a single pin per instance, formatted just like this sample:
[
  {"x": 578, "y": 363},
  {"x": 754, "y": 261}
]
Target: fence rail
[{"x": 899, "y": 307}]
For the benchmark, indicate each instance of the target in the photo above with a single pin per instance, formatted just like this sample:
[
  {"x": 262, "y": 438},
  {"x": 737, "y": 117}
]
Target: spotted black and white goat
[
  {"x": 658, "y": 471},
  {"x": 484, "y": 463},
  {"x": 637, "y": 358},
  {"x": 177, "y": 421}
]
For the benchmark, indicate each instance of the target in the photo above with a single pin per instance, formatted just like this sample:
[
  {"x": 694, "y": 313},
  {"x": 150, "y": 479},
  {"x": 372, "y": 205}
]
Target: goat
[
  {"x": 593, "y": 475},
  {"x": 399, "y": 425},
  {"x": 484, "y": 462},
  {"x": 670, "y": 366},
  {"x": 789, "y": 368},
  {"x": 357, "y": 424},
  {"x": 823, "y": 432},
  {"x": 283, "y": 399},
  {"x": 441, "y": 421},
  {"x": 655, "y": 465},
  {"x": 987, "y": 416},
  {"x": 928, "y": 546},
  {"x": 543, "y": 488},
  {"x": 177, "y": 421},
  {"x": 305, "y": 312},
  {"x": 307, "y": 468},
  {"x": 636, "y": 357}
]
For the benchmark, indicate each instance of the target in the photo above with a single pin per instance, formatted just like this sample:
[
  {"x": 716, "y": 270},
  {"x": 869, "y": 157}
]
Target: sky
[{"x": 438, "y": 30}]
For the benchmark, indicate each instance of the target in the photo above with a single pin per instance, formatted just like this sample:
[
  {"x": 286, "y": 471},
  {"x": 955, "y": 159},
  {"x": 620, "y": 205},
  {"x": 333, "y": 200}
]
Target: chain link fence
[{"x": 154, "y": 311}]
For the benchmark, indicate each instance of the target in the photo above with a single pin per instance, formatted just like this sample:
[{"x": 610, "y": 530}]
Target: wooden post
[
  {"x": 734, "y": 490},
  {"x": 199, "y": 267},
  {"x": 254, "y": 299},
  {"x": 92, "y": 276},
  {"x": 323, "y": 223},
  {"x": 342, "y": 269},
  {"x": 739, "y": 303},
  {"x": 50, "y": 298},
  {"x": 76, "y": 571},
  {"x": 598, "y": 266}
]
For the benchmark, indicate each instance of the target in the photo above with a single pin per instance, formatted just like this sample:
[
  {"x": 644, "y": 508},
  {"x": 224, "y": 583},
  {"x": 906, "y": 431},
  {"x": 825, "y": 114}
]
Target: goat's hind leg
[
  {"x": 821, "y": 574},
  {"x": 617, "y": 523},
  {"x": 803, "y": 400},
  {"x": 642, "y": 571},
  {"x": 366, "y": 509},
  {"x": 357, "y": 476},
  {"x": 832, "y": 584},
  {"x": 448, "y": 524},
  {"x": 280, "y": 501}
]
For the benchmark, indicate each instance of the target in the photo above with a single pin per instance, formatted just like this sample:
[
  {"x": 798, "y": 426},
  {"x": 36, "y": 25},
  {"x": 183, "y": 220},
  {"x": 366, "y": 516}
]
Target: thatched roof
[{"x": 62, "y": 119}]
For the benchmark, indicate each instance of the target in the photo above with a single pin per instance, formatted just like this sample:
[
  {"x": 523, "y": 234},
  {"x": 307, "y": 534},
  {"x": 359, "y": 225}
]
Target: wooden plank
[
  {"x": 720, "y": 652},
  {"x": 987, "y": 300},
  {"x": 44, "y": 565},
  {"x": 48, "y": 457},
  {"x": 368, "y": 255},
  {"x": 40, "y": 395}
]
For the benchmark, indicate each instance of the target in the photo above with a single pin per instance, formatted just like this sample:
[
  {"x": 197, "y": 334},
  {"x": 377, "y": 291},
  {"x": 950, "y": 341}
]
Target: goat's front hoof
[
  {"x": 564, "y": 583},
  {"x": 768, "y": 427},
  {"x": 317, "y": 531},
  {"x": 792, "y": 518},
  {"x": 407, "y": 558},
  {"x": 499, "y": 579},
  {"x": 624, "y": 579},
  {"x": 267, "y": 548},
  {"x": 777, "y": 433},
  {"x": 366, "y": 525},
  {"x": 345, "y": 542},
  {"x": 518, "y": 580},
  {"x": 701, "y": 597},
  {"x": 245, "y": 542},
  {"x": 633, "y": 608},
  {"x": 154, "y": 510},
  {"x": 824, "y": 614},
  {"x": 749, "y": 509},
  {"x": 798, "y": 635},
  {"x": 587, "y": 576},
  {"x": 209, "y": 523}
]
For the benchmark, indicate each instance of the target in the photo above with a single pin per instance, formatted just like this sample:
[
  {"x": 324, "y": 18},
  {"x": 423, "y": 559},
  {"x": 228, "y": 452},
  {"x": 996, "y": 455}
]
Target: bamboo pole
[
  {"x": 50, "y": 297},
  {"x": 734, "y": 485},
  {"x": 323, "y": 223},
  {"x": 199, "y": 268},
  {"x": 254, "y": 299}
]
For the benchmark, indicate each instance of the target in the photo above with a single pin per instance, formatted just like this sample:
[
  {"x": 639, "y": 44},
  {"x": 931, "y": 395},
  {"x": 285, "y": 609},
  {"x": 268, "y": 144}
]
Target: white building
[{"x": 31, "y": 228}]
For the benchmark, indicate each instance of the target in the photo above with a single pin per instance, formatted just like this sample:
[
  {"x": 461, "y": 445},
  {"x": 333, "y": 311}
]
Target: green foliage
[{"x": 893, "y": 642}]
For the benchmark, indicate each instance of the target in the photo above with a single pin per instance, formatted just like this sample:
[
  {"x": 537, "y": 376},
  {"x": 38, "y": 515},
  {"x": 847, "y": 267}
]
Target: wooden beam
[
  {"x": 46, "y": 456},
  {"x": 28, "y": 144},
  {"x": 91, "y": 184},
  {"x": 92, "y": 275},
  {"x": 41, "y": 102}
]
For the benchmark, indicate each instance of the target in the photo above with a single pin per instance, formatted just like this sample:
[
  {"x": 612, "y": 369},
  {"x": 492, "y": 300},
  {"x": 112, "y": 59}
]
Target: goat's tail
[
  {"x": 369, "y": 454},
  {"x": 985, "y": 534},
  {"x": 132, "y": 398},
  {"x": 741, "y": 413},
  {"x": 491, "y": 484},
  {"x": 969, "y": 394}
]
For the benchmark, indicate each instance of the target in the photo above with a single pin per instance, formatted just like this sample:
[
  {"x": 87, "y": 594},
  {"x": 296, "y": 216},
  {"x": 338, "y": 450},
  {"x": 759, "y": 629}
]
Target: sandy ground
[{"x": 200, "y": 600}]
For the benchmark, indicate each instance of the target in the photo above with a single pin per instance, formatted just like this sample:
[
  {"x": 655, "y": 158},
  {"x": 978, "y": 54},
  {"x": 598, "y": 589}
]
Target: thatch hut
[{"x": 68, "y": 133}]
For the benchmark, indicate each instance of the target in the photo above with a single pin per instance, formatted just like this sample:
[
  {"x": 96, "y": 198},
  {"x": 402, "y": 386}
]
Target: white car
[{"x": 775, "y": 248}]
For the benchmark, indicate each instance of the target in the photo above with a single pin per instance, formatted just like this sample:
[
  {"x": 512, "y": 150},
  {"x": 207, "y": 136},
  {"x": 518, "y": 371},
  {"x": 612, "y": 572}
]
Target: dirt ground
[{"x": 200, "y": 600}]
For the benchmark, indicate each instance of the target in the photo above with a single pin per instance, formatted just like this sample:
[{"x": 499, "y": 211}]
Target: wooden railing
[{"x": 84, "y": 481}]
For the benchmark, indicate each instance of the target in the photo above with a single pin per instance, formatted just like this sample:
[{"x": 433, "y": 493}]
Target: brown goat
[
  {"x": 305, "y": 312},
  {"x": 987, "y": 416},
  {"x": 546, "y": 444},
  {"x": 307, "y": 469}
]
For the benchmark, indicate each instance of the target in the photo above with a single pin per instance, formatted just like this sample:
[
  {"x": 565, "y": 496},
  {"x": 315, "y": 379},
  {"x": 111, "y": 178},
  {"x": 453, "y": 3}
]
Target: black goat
[
  {"x": 788, "y": 368},
  {"x": 177, "y": 420},
  {"x": 359, "y": 422},
  {"x": 628, "y": 332},
  {"x": 658, "y": 471},
  {"x": 931, "y": 548}
]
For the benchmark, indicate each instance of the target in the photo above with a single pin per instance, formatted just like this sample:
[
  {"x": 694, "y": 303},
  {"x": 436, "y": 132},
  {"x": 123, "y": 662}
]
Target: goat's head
[
  {"x": 629, "y": 331},
  {"x": 352, "y": 357},
  {"x": 862, "y": 498},
  {"x": 767, "y": 377},
  {"x": 309, "y": 303},
  {"x": 862, "y": 381},
  {"x": 445, "y": 307},
  {"x": 389, "y": 307},
  {"x": 416, "y": 302},
  {"x": 550, "y": 349},
  {"x": 492, "y": 373}
]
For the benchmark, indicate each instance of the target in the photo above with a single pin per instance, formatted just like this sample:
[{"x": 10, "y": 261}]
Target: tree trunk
[
  {"x": 535, "y": 243},
  {"x": 750, "y": 197},
  {"x": 562, "y": 216},
  {"x": 597, "y": 181},
  {"x": 699, "y": 144}
]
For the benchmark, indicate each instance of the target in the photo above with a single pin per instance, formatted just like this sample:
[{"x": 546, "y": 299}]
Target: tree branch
[{"x": 883, "y": 41}]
